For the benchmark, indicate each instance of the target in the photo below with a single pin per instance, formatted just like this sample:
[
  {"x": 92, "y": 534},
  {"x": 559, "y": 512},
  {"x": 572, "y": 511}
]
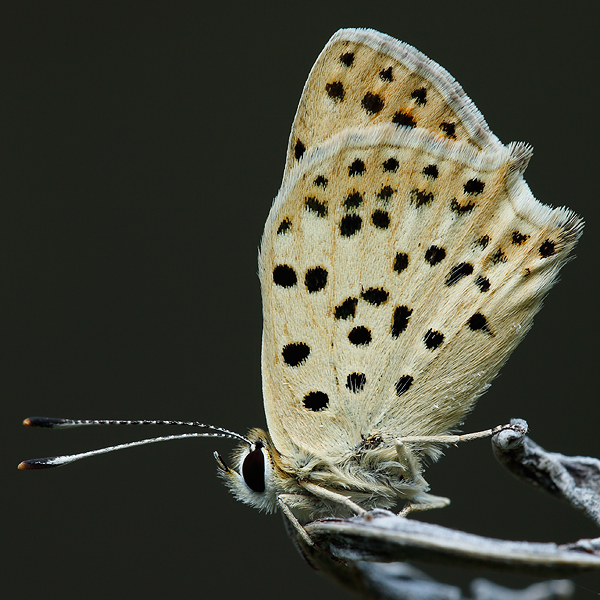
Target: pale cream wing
[
  {"x": 363, "y": 78},
  {"x": 398, "y": 273}
]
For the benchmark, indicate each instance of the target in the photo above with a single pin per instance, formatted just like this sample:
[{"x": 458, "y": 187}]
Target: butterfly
[{"x": 402, "y": 261}]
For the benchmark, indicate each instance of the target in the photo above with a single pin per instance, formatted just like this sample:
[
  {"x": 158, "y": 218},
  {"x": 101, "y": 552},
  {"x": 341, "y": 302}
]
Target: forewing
[
  {"x": 364, "y": 77},
  {"x": 398, "y": 273}
]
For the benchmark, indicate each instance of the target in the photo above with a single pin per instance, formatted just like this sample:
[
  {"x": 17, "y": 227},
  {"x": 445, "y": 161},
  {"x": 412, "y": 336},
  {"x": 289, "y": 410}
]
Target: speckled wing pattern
[
  {"x": 363, "y": 77},
  {"x": 403, "y": 259}
]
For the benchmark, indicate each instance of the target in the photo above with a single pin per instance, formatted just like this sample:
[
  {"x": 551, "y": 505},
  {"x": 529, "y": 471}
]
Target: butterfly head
[{"x": 255, "y": 478}]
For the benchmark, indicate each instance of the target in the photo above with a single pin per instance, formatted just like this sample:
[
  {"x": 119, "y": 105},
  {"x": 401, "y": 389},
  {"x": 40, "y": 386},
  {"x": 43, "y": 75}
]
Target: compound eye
[{"x": 253, "y": 469}]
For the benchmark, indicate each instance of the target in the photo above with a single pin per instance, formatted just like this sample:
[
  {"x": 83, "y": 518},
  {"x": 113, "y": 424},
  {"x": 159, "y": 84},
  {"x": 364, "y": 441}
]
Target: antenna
[{"x": 57, "y": 423}]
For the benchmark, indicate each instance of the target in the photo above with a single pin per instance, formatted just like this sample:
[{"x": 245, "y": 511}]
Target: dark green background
[{"x": 141, "y": 148}]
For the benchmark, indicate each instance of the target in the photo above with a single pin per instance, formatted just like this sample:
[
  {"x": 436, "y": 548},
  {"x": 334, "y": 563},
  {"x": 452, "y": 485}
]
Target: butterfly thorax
[{"x": 371, "y": 475}]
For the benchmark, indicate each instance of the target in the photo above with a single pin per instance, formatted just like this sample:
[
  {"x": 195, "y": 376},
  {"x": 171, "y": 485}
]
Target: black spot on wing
[
  {"x": 461, "y": 209},
  {"x": 419, "y": 96},
  {"x": 335, "y": 90},
  {"x": 400, "y": 320},
  {"x": 404, "y": 118},
  {"x": 375, "y": 296},
  {"x": 420, "y": 197},
  {"x": 353, "y": 200},
  {"x": 449, "y": 129},
  {"x": 458, "y": 272},
  {"x": 299, "y": 150},
  {"x": 350, "y": 224},
  {"x": 347, "y": 59},
  {"x": 385, "y": 193},
  {"x": 315, "y": 279},
  {"x": 372, "y": 103},
  {"x": 356, "y": 168},
  {"x": 346, "y": 309},
  {"x": 478, "y": 322},
  {"x": 360, "y": 336},
  {"x": 400, "y": 262},
  {"x": 316, "y": 401},
  {"x": 386, "y": 74},
  {"x": 284, "y": 276},
  {"x": 355, "y": 382},
  {"x": 483, "y": 241},
  {"x": 391, "y": 165},
  {"x": 498, "y": 256},
  {"x": 315, "y": 206},
  {"x": 435, "y": 255},
  {"x": 433, "y": 339},
  {"x": 473, "y": 187},
  {"x": 519, "y": 238},
  {"x": 431, "y": 171},
  {"x": 403, "y": 384},
  {"x": 483, "y": 283},
  {"x": 284, "y": 227},
  {"x": 295, "y": 354},
  {"x": 548, "y": 248},
  {"x": 381, "y": 219}
]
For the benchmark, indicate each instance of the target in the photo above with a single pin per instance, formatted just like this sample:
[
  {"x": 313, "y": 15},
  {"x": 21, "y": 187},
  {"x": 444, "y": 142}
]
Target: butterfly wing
[
  {"x": 363, "y": 78},
  {"x": 399, "y": 270},
  {"x": 404, "y": 256}
]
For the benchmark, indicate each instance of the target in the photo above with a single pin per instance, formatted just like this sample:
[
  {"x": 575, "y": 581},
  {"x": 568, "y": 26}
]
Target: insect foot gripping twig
[{"x": 575, "y": 479}]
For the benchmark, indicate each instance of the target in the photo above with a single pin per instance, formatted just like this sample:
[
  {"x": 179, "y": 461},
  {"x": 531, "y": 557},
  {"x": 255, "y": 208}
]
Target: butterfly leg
[
  {"x": 454, "y": 439},
  {"x": 409, "y": 464},
  {"x": 412, "y": 472},
  {"x": 326, "y": 494},
  {"x": 284, "y": 500}
]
